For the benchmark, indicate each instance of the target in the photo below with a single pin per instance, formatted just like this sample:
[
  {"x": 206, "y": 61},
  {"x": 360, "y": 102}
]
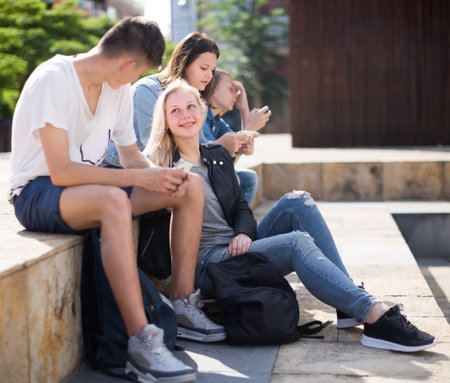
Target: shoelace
[
  {"x": 164, "y": 357},
  {"x": 401, "y": 319},
  {"x": 198, "y": 316}
]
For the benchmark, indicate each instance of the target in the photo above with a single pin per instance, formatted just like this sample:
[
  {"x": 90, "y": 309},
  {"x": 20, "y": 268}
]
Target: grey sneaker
[
  {"x": 149, "y": 360},
  {"x": 192, "y": 322}
]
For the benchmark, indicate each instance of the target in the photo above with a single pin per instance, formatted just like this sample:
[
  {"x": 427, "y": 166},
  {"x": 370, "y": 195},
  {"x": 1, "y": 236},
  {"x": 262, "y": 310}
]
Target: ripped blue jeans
[{"x": 294, "y": 237}]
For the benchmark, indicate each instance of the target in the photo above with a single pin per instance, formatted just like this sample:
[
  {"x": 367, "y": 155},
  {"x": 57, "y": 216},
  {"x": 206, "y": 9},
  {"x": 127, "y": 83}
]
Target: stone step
[{"x": 350, "y": 174}]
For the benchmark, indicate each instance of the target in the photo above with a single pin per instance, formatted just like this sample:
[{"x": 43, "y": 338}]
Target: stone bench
[{"x": 40, "y": 316}]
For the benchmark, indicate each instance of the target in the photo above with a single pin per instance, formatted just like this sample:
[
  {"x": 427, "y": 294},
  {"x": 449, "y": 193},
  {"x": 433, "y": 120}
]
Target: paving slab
[
  {"x": 221, "y": 362},
  {"x": 352, "y": 362}
]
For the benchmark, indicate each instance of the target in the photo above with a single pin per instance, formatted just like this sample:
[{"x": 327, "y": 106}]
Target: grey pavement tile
[
  {"x": 203, "y": 377},
  {"x": 225, "y": 358},
  {"x": 86, "y": 375}
]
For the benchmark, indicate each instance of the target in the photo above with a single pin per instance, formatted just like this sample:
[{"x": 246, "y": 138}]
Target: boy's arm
[
  {"x": 132, "y": 158},
  {"x": 65, "y": 172}
]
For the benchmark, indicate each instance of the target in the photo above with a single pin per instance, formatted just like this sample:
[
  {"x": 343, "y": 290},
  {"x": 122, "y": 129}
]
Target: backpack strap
[{"x": 308, "y": 330}]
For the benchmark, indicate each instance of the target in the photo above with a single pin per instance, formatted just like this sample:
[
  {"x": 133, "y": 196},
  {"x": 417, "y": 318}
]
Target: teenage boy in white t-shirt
[{"x": 69, "y": 109}]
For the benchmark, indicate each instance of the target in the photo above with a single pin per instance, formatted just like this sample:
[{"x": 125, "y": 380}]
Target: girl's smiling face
[
  {"x": 184, "y": 116},
  {"x": 200, "y": 72}
]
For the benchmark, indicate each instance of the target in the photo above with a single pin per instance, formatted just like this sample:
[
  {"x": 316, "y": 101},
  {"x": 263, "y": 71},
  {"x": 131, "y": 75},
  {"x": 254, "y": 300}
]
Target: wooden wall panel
[{"x": 372, "y": 72}]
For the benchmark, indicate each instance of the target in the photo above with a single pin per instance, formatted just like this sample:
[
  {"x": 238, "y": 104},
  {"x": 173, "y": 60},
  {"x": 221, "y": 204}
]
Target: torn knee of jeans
[
  {"x": 306, "y": 235},
  {"x": 307, "y": 199}
]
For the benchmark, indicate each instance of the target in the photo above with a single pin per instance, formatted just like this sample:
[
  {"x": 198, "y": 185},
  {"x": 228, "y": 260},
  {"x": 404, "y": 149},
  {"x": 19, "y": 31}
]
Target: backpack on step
[
  {"x": 256, "y": 304},
  {"x": 104, "y": 334}
]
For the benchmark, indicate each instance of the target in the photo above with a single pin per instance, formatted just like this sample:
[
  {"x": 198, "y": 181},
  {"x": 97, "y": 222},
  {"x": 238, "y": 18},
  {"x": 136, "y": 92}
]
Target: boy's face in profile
[{"x": 225, "y": 95}]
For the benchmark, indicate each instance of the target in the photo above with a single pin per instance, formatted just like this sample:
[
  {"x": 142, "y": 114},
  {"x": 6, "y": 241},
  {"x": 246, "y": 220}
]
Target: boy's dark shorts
[{"x": 37, "y": 207}]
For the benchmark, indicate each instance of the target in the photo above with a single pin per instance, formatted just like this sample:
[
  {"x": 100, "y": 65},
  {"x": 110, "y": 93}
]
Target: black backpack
[
  {"x": 104, "y": 334},
  {"x": 153, "y": 246},
  {"x": 256, "y": 304}
]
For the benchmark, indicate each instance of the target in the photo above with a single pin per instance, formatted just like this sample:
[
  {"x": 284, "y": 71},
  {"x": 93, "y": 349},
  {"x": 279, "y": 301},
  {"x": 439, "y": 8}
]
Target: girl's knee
[
  {"x": 302, "y": 240},
  {"x": 302, "y": 196}
]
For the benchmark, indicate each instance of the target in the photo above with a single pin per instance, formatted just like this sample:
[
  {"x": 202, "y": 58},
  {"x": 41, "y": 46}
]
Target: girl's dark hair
[
  {"x": 187, "y": 50},
  {"x": 140, "y": 38}
]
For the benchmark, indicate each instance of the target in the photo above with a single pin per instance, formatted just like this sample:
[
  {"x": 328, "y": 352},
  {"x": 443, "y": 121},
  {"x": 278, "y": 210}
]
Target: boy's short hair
[{"x": 140, "y": 38}]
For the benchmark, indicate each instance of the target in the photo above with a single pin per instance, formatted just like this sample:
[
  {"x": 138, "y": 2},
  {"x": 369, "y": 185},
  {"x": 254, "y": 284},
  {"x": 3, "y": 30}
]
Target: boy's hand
[
  {"x": 258, "y": 118},
  {"x": 165, "y": 180},
  {"x": 241, "y": 101}
]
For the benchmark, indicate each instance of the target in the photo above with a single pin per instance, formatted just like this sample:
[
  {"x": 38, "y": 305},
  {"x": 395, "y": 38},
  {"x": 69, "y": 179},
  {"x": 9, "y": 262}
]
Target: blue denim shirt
[
  {"x": 145, "y": 93},
  {"x": 213, "y": 128}
]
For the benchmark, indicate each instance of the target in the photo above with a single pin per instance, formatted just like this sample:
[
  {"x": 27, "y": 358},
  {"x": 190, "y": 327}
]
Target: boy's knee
[{"x": 116, "y": 201}]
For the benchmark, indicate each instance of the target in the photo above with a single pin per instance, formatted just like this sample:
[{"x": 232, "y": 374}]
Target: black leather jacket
[{"x": 226, "y": 186}]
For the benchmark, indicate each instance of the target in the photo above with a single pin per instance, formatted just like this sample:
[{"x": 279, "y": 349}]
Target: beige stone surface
[
  {"x": 327, "y": 378},
  {"x": 412, "y": 180},
  {"x": 282, "y": 178},
  {"x": 404, "y": 280},
  {"x": 21, "y": 248},
  {"x": 351, "y": 181},
  {"x": 329, "y": 359},
  {"x": 258, "y": 196},
  {"x": 14, "y": 362},
  {"x": 54, "y": 316},
  {"x": 446, "y": 180},
  {"x": 369, "y": 221}
]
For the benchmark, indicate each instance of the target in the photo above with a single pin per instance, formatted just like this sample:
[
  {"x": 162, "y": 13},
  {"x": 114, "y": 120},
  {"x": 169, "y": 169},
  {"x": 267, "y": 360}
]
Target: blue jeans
[
  {"x": 294, "y": 237},
  {"x": 248, "y": 179}
]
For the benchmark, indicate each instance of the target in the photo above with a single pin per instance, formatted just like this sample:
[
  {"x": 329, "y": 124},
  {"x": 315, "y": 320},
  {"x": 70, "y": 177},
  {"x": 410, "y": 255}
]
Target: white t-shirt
[{"x": 53, "y": 94}]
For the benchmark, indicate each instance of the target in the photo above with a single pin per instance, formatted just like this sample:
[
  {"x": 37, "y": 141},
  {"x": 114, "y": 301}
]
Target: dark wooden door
[{"x": 369, "y": 72}]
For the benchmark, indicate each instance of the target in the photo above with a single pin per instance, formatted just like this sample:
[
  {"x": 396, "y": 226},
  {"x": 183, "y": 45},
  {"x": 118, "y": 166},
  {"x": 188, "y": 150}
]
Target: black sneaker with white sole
[{"x": 394, "y": 332}]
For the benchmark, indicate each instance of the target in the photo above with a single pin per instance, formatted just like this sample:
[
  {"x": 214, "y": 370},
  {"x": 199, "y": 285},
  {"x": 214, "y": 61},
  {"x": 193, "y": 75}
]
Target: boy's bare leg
[
  {"x": 186, "y": 226},
  {"x": 90, "y": 206}
]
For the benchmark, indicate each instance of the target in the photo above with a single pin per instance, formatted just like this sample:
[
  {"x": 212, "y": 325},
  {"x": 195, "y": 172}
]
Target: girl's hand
[
  {"x": 248, "y": 147},
  {"x": 232, "y": 142},
  {"x": 239, "y": 244}
]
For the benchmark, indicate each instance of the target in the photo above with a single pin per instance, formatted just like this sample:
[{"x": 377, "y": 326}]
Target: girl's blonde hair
[{"x": 161, "y": 144}]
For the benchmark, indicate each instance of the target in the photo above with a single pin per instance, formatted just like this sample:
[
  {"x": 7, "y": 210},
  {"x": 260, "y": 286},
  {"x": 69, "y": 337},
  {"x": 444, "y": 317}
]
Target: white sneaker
[
  {"x": 192, "y": 322},
  {"x": 149, "y": 360}
]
